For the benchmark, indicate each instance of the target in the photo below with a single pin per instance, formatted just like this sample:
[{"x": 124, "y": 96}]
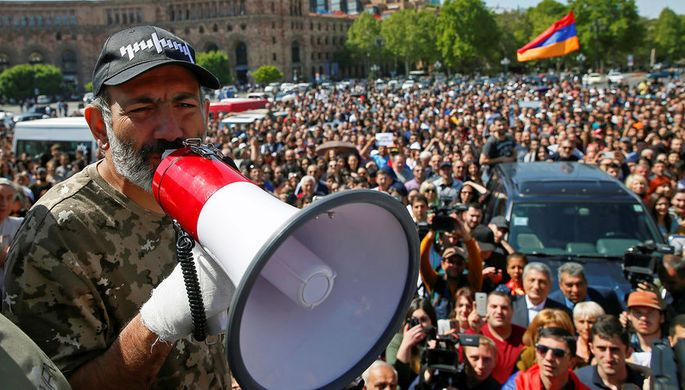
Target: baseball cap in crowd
[
  {"x": 415, "y": 146},
  {"x": 625, "y": 140},
  {"x": 500, "y": 222},
  {"x": 485, "y": 238},
  {"x": 136, "y": 50},
  {"x": 644, "y": 298},
  {"x": 445, "y": 164},
  {"x": 453, "y": 251}
]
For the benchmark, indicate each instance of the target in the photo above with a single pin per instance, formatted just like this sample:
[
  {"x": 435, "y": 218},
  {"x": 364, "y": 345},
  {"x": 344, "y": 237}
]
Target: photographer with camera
[
  {"x": 672, "y": 277},
  {"x": 442, "y": 286},
  {"x": 479, "y": 356},
  {"x": 406, "y": 347}
]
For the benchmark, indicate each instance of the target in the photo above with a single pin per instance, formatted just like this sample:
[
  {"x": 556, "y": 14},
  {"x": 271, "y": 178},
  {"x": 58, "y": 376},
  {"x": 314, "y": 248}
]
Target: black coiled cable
[{"x": 184, "y": 253}]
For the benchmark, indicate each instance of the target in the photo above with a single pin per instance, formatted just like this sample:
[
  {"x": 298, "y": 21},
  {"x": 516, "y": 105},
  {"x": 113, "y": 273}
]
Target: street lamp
[
  {"x": 374, "y": 71},
  {"x": 581, "y": 59},
  {"x": 505, "y": 63}
]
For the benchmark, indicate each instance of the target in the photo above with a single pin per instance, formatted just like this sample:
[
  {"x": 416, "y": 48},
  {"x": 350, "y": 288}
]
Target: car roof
[{"x": 561, "y": 180}]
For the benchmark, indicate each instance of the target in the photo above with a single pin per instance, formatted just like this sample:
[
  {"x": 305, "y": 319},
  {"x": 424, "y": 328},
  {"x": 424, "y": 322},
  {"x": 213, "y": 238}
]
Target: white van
[{"x": 36, "y": 137}]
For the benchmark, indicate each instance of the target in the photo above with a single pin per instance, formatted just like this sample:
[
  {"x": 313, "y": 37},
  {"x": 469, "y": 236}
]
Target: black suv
[{"x": 561, "y": 212}]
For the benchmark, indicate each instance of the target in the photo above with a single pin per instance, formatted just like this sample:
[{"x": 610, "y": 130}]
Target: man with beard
[{"x": 94, "y": 247}]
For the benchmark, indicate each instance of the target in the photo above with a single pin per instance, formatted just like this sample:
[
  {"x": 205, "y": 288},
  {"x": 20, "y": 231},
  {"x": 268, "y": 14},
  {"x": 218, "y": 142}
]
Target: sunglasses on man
[{"x": 556, "y": 352}]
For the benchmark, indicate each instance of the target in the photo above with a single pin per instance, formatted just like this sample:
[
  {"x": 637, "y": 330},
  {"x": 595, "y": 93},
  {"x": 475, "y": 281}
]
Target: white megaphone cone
[{"x": 320, "y": 291}]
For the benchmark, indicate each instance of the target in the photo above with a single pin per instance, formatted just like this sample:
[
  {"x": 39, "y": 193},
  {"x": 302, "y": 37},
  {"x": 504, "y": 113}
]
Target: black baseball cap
[{"x": 136, "y": 50}]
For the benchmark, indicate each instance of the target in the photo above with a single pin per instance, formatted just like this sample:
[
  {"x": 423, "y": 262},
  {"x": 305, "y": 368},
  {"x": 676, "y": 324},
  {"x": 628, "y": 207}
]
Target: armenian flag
[{"x": 559, "y": 39}]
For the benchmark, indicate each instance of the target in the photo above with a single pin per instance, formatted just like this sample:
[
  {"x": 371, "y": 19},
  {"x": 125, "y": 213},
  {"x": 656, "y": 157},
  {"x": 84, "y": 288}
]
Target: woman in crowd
[
  {"x": 405, "y": 348},
  {"x": 430, "y": 191},
  {"x": 584, "y": 316},
  {"x": 637, "y": 184},
  {"x": 658, "y": 205}
]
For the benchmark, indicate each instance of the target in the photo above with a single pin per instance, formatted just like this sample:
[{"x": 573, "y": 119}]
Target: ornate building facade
[{"x": 283, "y": 33}]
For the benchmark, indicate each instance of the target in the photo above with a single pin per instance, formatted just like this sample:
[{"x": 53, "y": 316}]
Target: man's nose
[{"x": 169, "y": 126}]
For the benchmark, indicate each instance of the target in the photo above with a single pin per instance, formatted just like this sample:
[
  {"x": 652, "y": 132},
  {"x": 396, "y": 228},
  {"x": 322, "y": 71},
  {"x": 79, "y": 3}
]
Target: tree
[
  {"x": 515, "y": 28},
  {"x": 409, "y": 35},
  {"x": 21, "y": 81},
  {"x": 363, "y": 38},
  {"x": 267, "y": 74},
  {"x": 608, "y": 29},
  {"x": 544, "y": 15},
  {"x": 217, "y": 63},
  {"x": 467, "y": 34},
  {"x": 667, "y": 35}
]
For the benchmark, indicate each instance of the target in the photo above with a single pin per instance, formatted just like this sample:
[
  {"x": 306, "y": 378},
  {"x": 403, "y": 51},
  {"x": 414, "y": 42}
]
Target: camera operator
[
  {"x": 442, "y": 287},
  {"x": 406, "y": 347},
  {"x": 475, "y": 374},
  {"x": 672, "y": 276}
]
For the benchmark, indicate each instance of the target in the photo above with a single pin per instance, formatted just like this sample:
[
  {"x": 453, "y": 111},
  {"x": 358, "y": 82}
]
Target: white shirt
[{"x": 533, "y": 310}]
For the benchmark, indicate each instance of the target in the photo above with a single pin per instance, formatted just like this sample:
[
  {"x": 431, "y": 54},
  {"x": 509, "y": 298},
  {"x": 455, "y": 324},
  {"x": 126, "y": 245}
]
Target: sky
[{"x": 646, "y": 8}]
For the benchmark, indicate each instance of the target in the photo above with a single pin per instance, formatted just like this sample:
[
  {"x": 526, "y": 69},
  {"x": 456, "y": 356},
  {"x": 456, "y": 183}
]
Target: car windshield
[{"x": 579, "y": 228}]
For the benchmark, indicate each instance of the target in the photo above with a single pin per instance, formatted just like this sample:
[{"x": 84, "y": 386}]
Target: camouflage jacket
[{"x": 81, "y": 266}]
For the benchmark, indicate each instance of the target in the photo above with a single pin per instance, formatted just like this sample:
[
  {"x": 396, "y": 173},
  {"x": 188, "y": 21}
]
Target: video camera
[
  {"x": 443, "y": 361},
  {"x": 640, "y": 261},
  {"x": 443, "y": 221}
]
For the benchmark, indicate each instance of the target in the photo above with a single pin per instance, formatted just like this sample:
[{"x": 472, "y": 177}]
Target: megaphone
[{"x": 320, "y": 291}]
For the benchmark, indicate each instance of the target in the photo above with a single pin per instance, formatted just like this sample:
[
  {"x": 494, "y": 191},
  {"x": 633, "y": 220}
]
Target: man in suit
[
  {"x": 573, "y": 288},
  {"x": 537, "y": 282}
]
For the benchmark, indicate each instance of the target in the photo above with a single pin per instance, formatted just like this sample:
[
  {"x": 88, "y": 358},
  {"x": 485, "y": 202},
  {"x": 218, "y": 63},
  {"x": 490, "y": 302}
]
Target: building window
[
  {"x": 201, "y": 29},
  {"x": 243, "y": 26},
  {"x": 295, "y": 52},
  {"x": 273, "y": 40},
  {"x": 273, "y": 57},
  {"x": 229, "y": 27},
  {"x": 69, "y": 62}
]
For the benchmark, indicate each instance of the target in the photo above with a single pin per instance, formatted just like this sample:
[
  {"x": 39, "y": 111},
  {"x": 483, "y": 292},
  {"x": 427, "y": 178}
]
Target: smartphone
[{"x": 481, "y": 304}]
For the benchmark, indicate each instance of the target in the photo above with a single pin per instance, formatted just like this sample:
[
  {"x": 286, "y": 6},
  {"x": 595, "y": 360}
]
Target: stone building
[{"x": 284, "y": 33}]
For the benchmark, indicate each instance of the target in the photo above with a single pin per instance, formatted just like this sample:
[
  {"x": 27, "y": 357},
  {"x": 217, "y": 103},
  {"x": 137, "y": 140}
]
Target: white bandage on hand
[{"x": 167, "y": 312}]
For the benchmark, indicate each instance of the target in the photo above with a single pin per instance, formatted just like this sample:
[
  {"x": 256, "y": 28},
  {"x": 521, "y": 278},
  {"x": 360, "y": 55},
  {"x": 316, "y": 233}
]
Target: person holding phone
[{"x": 443, "y": 287}]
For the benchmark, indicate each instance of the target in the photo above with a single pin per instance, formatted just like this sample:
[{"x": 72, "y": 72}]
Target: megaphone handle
[{"x": 184, "y": 254}]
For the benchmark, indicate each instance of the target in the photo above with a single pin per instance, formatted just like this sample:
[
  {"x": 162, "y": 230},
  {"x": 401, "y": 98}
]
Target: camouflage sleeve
[{"x": 50, "y": 293}]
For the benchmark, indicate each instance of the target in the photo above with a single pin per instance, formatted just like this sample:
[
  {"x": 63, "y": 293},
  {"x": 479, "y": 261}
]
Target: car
[
  {"x": 43, "y": 99},
  {"x": 272, "y": 88},
  {"x": 615, "y": 76},
  {"x": 560, "y": 212},
  {"x": 88, "y": 97},
  {"x": 593, "y": 79},
  {"x": 408, "y": 84},
  {"x": 29, "y": 116}
]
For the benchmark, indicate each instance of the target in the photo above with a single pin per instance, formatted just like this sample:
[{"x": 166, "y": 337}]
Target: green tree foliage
[
  {"x": 668, "y": 35},
  {"x": 364, "y": 37},
  {"x": 21, "y": 81},
  {"x": 217, "y": 63},
  {"x": 544, "y": 15},
  {"x": 608, "y": 29},
  {"x": 267, "y": 74},
  {"x": 516, "y": 29},
  {"x": 467, "y": 34},
  {"x": 88, "y": 87},
  {"x": 409, "y": 36}
]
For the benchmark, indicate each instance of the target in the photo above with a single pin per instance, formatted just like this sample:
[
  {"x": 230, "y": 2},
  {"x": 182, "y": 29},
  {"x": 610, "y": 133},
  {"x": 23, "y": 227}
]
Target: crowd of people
[{"x": 444, "y": 139}]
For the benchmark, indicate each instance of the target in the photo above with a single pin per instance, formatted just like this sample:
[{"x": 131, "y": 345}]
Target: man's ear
[{"x": 97, "y": 125}]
